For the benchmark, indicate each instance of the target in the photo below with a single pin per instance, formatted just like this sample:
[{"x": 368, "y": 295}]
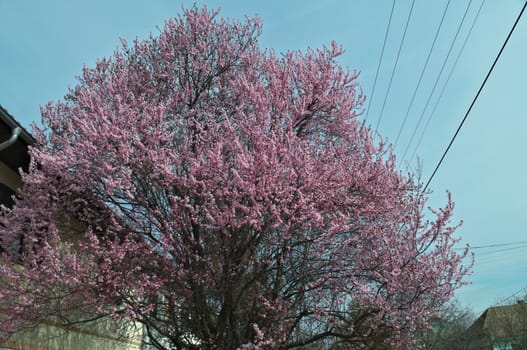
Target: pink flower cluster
[{"x": 199, "y": 185}]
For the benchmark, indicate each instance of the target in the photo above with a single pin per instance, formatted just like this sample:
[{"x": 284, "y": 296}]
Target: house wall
[
  {"x": 9, "y": 177},
  {"x": 49, "y": 336}
]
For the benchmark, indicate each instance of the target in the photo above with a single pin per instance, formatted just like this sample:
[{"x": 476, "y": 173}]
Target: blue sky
[{"x": 44, "y": 45}]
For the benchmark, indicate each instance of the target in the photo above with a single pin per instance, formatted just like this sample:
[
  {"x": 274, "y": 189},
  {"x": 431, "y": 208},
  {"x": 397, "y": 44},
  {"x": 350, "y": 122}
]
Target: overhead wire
[
  {"x": 436, "y": 81},
  {"x": 495, "y": 245},
  {"x": 501, "y": 250},
  {"x": 484, "y": 255},
  {"x": 487, "y": 253},
  {"x": 503, "y": 258},
  {"x": 395, "y": 66},
  {"x": 513, "y": 298},
  {"x": 432, "y": 113},
  {"x": 380, "y": 61},
  {"x": 422, "y": 74},
  {"x": 475, "y": 97}
]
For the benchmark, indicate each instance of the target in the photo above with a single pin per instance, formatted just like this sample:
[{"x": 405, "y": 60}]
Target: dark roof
[
  {"x": 16, "y": 156},
  {"x": 502, "y": 322}
]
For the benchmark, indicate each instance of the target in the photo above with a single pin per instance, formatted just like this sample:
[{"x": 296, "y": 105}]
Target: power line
[
  {"x": 495, "y": 245},
  {"x": 422, "y": 74},
  {"x": 436, "y": 82},
  {"x": 501, "y": 250},
  {"x": 513, "y": 297},
  {"x": 475, "y": 97},
  {"x": 395, "y": 65},
  {"x": 380, "y": 60},
  {"x": 446, "y": 81},
  {"x": 502, "y": 259}
]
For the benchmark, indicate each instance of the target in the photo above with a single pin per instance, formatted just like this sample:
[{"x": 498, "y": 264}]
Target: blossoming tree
[{"x": 225, "y": 198}]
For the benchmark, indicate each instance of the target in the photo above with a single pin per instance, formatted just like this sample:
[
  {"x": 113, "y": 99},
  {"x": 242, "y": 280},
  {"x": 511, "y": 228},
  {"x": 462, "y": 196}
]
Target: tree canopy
[{"x": 225, "y": 197}]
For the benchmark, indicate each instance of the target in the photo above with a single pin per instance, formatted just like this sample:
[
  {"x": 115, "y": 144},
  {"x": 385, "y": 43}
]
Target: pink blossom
[{"x": 216, "y": 192}]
